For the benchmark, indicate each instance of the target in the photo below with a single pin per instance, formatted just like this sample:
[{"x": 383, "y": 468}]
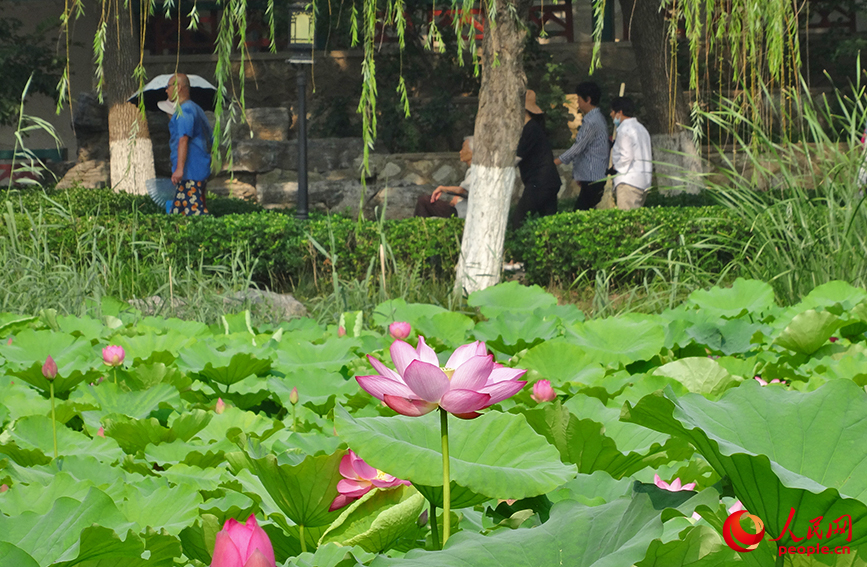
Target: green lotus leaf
[
  {"x": 393, "y": 310},
  {"x": 22, "y": 400},
  {"x": 14, "y": 323},
  {"x": 592, "y": 489},
  {"x": 143, "y": 347},
  {"x": 238, "y": 323},
  {"x": 245, "y": 394},
  {"x": 185, "y": 425},
  {"x": 644, "y": 385},
  {"x": 732, "y": 336},
  {"x": 584, "y": 443},
  {"x": 745, "y": 296},
  {"x": 702, "y": 546},
  {"x": 133, "y": 435},
  {"x": 512, "y": 335},
  {"x": 512, "y": 298},
  {"x": 100, "y": 547},
  {"x": 170, "y": 325},
  {"x": 198, "y": 539},
  {"x": 567, "y": 314},
  {"x": 74, "y": 357},
  {"x": 84, "y": 326},
  {"x": 448, "y": 327},
  {"x": 303, "y": 492},
  {"x": 12, "y": 555},
  {"x": 557, "y": 360},
  {"x": 808, "y": 331},
  {"x": 304, "y": 356},
  {"x": 837, "y": 297},
  {"x": 314, "y": 385},
  {"x": 309, "y": 443},
  {"x": 461, "y": 497},
  {"x": 166, "y": 508},
  {"x": 376, "y": 520},
  {"x": 332, "y": 555},
  {"x": 851, "y": 367},
  {"x": 231, "y": 505},
  {"x": 39, "y": 499},
  {"x": 224, "y": 367},
  {"x": 193, "y": 454},
  {"x": 302, "y": 329},
  {"x": 233, "y": 418},
  {"x": 110, "y": 398},
  {"x": 818, "y": 467},
  {"x": 619, "y": 340},
  {"x": 610, "y": 535},
  {"x": 497, "y": 455},
  {"x": 35, "y": 432},
  {"x": 197, "y": 477},
  {"x": 54, "y": 536},
  {"x": 145, "y": 376},
  {"x": 700, "y": 375}
]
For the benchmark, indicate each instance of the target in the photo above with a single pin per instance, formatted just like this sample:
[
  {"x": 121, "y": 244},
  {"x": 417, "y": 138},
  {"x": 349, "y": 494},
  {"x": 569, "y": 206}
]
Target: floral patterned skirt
[{"x": 190, "y": 199}]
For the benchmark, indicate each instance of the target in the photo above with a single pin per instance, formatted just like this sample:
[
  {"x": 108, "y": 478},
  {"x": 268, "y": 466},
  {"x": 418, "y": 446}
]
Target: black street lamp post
[{"x": 301, "y": 48}]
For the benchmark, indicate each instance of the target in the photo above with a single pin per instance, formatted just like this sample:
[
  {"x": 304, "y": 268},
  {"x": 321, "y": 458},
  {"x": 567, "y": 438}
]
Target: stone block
[
  {"x": 90, "y": 174},
  {"x": 277, "y": 188},
  {"x": 241, "y": 186},
  {"x": 446, "y": 175},
  {"x": 390, "y": 171},
  {"x": 258, "y": 156}
]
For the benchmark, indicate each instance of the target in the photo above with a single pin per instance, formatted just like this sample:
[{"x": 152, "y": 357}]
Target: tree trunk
[
  {"x": 499, "y": 122},
  {"x": 677, "y": 160},
  {"x": 132, "y": 158}
]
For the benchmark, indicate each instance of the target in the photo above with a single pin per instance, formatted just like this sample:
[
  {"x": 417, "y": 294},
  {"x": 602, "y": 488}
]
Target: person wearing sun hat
[
  {"x": 538, "y": 172},
  {"x": 190, "y": 141}
]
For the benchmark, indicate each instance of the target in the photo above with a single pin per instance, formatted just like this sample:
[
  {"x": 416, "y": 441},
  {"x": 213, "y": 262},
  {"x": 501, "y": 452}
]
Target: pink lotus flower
[
  {"x": 359, "y": 478},
  {"x": 765, "y": 383},
  {"x": 4, "y": 487},
  {"x": 113, "y": 355},
  {"x": 470, "y": 381},
  {"x": 243, "y": 545},
  {"x": 399, "y": 330},
  {"x": 49, "y": 369},
  {"x": 101, "y": 432},
  {"x": 293, "y": 396},
  {"x": 675, "y": 486},
  {"x": 543, "y": 392},
  {"x": 341, "y": 331},
  {"x": 220, "y": 406}
]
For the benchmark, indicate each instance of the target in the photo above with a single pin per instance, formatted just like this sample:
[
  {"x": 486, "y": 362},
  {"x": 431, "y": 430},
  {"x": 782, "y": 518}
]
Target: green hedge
[{"x": 554, "y": 249}]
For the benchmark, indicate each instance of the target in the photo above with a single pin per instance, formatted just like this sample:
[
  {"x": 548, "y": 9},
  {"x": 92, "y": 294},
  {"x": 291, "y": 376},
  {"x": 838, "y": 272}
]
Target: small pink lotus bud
[
  {"x": 101, "y": 432},
  {"x": 9, "y": 342},
  {"x": 293, "y": 396},
  {"x": 399, "y": 330},
  {"x": 543, "y": 392},
  {"x": 832, "y": 339},
  {"x": 113, "y": 355},
  {"x": 220, "y": 407},
  {"x": 4, "y": 488},
  {"x": 49, "y": 369},
  {"x": 242, "y": 545},
  {"x": 341, "y": 331}
]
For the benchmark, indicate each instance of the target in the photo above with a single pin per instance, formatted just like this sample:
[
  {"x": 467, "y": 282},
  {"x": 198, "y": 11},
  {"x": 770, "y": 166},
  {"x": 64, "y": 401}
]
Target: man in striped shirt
[{"x": 589, "y": 152}]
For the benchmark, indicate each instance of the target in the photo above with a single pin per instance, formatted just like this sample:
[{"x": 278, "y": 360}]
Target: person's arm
[
  {"x": 178, "y": 174},
  {"x": 623, "y": 152},
  {"x": 459, "y": 191},
  {"x": 582, "y": 139}
]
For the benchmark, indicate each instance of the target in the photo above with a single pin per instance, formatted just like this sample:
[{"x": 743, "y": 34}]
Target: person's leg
[
  {"x": 591, "y": 194},
  {"x": 521, "y": 210},
  {"x": 629, "y": 197},
  {"x": 439, "y": 208}
]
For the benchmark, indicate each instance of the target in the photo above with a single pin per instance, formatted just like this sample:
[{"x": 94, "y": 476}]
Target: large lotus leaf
[
  {"x": 133, "y": 435},
  {"x": 745, "y": 296},
  {"x": 110, "y": 398},
  {"x": 185, "y": 328},
  {"x": 167, "y": 508},
  {"x": 84, "y": 326},
  {"x": 224, "y": 367},
  {"x": 38, "y": 498},
  {"x": 332, "y": 555},
  {"x": 728, "y": 336},
  {"x": 498, "y": 455},
  {"x": 377, "y": 519},
  {"x": 142, "y": 347},
  {"x": 808, "y": 331},
  {"x": 850, "y": 367},
  {"x": 644, "y": 385},
  {"x": 184, "y": 425},
  {"x": 303, "y": 492},
  {"x": 85, "y": 468},
  {"x": 393, "y": 310},
  {"x": 610, "y": 535},
  {"x": 54, "y": 536},
  {"x": 246, "y": 394},
  {"x": 460, "y": 497},
  {"x": 511, "y": 298},
  {"x": 567, "y": 314},
  {"x": 22, "y": 400},
  {"x": 35, "y": 432},
  {"x": 584, "y": 443},
  {"x": 160, "y": 550},
  {"x": 619, "y": 340},
  {"x": 308, "y": 443},
  {"x": 314, "y": 385},
  {"x": 201, "y": 479},
  {"x": 303, "y": 356},
  {"x": 702, "y": 546},
  {"x": 12, "y": 555},
  {"x": 233, "y": 418},
  {"x": 557, "y": 361},
  {"x": 782, "y": 449},
  {"x": 13, "y": 323},
  {"x": 700, "y": 375},
  {"x": 837, "y": 297},
  {"x": 592, "y": 489},
  {"x": 511, "y": 335},
  {"x": 144, "y": 376},
  {"x": 192, "y": 454},
  {"x": 74, "y": 358},
  {"x": 449, "y": 327}
]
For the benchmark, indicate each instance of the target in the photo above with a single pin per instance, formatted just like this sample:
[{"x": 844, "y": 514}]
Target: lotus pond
[{"x": 631, "y": 443}]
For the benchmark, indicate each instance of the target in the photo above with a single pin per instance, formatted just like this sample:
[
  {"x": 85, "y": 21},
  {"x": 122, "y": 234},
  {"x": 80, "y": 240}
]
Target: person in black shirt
[{"x": 538, "y": 172}]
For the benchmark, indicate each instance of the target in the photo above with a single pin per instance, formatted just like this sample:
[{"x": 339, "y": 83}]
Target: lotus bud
[
  {"x": 399, "y": 330},
  {"x": 220, "y": 407},
  {"x": 3, "y": 488},
  {"x": 543, "y": 392},
  {"x": 243, "y": 545},
  {"x": 101, "y": 432},
  {"x": 49, "y": 369},
  {"x": 113, "y": 355},
  {"x": 9, "y": 342},
  {"x": 341, "y": 331},
  {"x": 293, "y": 396}
]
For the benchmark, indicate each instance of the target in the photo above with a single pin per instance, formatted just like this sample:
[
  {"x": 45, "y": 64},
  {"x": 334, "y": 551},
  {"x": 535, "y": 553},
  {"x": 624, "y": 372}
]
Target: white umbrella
[{"x": 202, "y": 92}]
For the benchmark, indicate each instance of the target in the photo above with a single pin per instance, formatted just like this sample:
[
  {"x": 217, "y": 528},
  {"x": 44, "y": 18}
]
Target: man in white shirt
[{"x": 630, "y": 156}]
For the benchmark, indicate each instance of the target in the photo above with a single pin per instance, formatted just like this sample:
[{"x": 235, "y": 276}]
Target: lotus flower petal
[
  {"x": 402, "y": 354},
  {"x": 339, "y": 502},
  {"x": 226, "y": 553},
  {"x": 465, "y": 352},
  {"x": 258, "y": 559},
  {"x": 504, "y": 374},
  {"x": 346, "y": 469},
  {"x": 427, "y": 381},
  {"x": 502, "y": 390},
  {"x": 362, "y": 469},
  {"x": 409, "y": 407},
  {"x": 388, "y": 481},
  {"x": 383, "y": 369},
  {"x": 473, "y": 374},
  {"x": 399, "y": 329},
  {"x": 353, "y": 488},
  {"x": 464, "y": 401},
  {"x": 258, "y": 541},
  {"x": 380, "y": 386},
  {"x": 426, "y": 353}
]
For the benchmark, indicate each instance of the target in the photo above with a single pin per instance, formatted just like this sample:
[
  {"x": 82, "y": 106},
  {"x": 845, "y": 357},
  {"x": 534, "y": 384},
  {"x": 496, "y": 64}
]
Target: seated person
[{"x": 431, "y": 206}]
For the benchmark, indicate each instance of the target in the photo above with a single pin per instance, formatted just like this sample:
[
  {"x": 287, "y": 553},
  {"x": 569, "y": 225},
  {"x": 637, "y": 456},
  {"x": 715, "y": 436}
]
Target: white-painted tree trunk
[
  {"x": 132, "y": 161},
  {"x": 481, "y": 259}
]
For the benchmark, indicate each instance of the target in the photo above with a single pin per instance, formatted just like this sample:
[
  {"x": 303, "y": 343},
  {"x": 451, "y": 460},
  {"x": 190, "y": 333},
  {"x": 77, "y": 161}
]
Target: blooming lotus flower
[
  {"x": 675, "y": 486},
  {"x": 399, "y": 329},
  {"x": 359, "y": 478},
  {"x": 765, "y": 383},
  {"x": 543, "y": 392},
  {"x": 243, "y": 545},
  {"x": 49, "y": 369},
  {"x": 220, "y": 406},
  {"x": 113, "y": 355},
  {"x": 469, "y": 382}
]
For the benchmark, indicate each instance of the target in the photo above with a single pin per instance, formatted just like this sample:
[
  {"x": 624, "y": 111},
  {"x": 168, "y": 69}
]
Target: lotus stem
[
  {"x": 447, "y": 489},
  {"x": 434, "y": 529},
  {"x": 301, "y": 535},
  {"x": 294, "y": 421},
  {"x": 53, "y": 419}
]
